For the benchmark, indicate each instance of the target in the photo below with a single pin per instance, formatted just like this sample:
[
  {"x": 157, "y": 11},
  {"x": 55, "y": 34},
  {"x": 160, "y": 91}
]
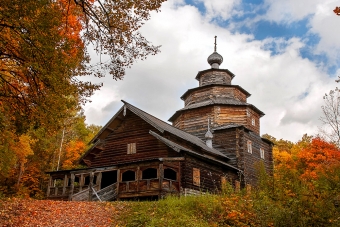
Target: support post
[
  {"x": 161, "y": 176},
  {"x": 138, "y": 177},
  {"x": 178, "y": 179},
  {"x": 81, "y": 182},
  {"x": 118, "y": 180},
  {"x": 65, "y": 184},
  {"x": 72, "y": 187},
  {"x": 91, "y": 186},
  {"x": 99, "y": 180},
  {"x": 49, "y": 187}
]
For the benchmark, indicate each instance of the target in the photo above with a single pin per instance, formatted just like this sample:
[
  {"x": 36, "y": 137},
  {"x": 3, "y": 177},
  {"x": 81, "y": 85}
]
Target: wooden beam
[
  {"x": 99, "y": 180},
  {"x": 49, "y": 186},
  {"x": 118, "y": 180},
  {"x": 72, "y": 187},
  {"x": 138, "y": 177},
  {"x": 90, "y": 186},
  {"x": 110, "y": 129},
  {"x": 81, "y": 182},
  {"x": 64, "y": 184},
  {"x": 161, "y": 176}
]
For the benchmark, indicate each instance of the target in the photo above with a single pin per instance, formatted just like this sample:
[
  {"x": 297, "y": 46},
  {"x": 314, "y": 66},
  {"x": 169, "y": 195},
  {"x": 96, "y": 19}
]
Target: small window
[
  {"x": 131, "y": 148},
  {"x": 253, "y": 121},
  {"x": 196, "y": 176},
  {"x": 262, "y": 153},
  {"x": 170, "y": 174},
  {"x": 249, "y": 147},
  {"x": 129, "y": 176},
  {"x": 150, "y": 173}
]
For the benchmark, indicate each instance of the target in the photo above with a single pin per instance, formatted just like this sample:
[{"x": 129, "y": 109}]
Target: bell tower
[{"x": 218, "y": 100}]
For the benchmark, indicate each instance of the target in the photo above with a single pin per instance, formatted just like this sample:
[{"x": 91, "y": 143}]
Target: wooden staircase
[{"x": 108, "y": 193}]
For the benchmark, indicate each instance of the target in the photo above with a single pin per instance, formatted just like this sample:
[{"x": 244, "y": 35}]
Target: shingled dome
[{"x": 215, "y": 59}]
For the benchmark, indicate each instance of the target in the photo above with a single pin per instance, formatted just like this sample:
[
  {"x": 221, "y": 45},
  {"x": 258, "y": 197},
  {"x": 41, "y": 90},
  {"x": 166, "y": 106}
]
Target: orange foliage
[
  {"x": 28, "y": 212},
  {"x": 73, "y": 152},
  {"x": 319, "y": 154}
]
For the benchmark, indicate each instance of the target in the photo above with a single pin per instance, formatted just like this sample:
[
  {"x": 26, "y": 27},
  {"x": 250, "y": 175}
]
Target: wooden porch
[{"x": 115, "y": 183}]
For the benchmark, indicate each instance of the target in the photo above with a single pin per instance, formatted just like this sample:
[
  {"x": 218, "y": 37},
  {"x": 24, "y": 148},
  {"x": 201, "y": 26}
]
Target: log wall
[
  {"x": 132, "y": 130},
  {"x": 210, "y": 175},
  {"x": 214, "y": 77},
  {"x": 195, "y": 121},
  {"x": 251, "y": 161}
]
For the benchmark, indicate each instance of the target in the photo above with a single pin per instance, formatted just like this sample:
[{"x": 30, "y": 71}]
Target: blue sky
[{"x": 284, "y": 52}]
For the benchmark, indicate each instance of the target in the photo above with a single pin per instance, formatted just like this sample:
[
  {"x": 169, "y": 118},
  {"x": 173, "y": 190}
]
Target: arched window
[
  {"x": 129, "y": 176},
  {"x": 170, "y": 174},
  {"x": 149, "y": 173}
]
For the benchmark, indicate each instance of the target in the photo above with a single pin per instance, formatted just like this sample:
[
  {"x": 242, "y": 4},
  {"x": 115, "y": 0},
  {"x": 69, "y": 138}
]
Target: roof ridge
[{"x": 175, "y": 131}]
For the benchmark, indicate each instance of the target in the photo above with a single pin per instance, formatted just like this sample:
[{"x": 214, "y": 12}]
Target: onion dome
[{"x": 215, "y": 59}]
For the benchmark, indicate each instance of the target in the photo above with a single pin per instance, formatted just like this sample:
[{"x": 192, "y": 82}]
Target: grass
[{"x": 196, "y": 211}]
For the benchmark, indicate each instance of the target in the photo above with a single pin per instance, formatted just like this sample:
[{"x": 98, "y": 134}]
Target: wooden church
[{"x": 213, "y": 139}]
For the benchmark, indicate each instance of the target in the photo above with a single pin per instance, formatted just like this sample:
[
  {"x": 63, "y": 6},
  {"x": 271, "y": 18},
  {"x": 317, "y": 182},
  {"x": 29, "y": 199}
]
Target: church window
[
  {"x": 249, "y": 147},
  {"x": 253, "y": 121},
  {"x": 131, "y": 148},
  {"x": 196, "y": 176},
  {"x": 129, "y": 176},
  {"x": 262, "y": 153},
  {"x": 170, "y": 174},
  {"x": 149, "y": 173}
]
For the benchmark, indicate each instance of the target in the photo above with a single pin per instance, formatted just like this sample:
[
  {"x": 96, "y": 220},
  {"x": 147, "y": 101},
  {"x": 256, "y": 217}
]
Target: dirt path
[{"x": 27, "y": 212}]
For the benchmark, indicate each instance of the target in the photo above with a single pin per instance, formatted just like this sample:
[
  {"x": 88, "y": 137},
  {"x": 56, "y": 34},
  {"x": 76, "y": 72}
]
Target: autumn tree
[
  {"x": 331, "y": 116},
  {"x": 44, "y": 64},
  {"x": 43, "y": 51}
]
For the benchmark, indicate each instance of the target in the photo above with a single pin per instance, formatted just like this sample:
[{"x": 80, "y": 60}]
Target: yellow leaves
[
  {"x": 22, "y": 148},
  {"x": 73, "y": 152}
]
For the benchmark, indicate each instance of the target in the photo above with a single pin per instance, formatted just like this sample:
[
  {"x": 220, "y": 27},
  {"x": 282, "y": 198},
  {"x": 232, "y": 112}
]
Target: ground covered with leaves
[{"x": 28, "y": 212}]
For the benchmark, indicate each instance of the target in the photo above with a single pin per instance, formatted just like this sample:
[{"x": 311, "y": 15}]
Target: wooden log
[
  {"x": 99, "y": 180},
  {"x": 161, "y": 177},
  {"x": 65, "y": 184},
  {"x": 138, "y": 177},
  {"x": 81, "y": 182},
  {"x": 90, "y": 186},
  {"x": 72, "y": 187},
  {"x": 118, "y": 181},
  {"x": 49, "y": 186}
]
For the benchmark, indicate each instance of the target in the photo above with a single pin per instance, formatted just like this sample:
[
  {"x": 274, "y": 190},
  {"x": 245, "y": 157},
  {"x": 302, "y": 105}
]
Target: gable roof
[{"x": 158, "y": 124}]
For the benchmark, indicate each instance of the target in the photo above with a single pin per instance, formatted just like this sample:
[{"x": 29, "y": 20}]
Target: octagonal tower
[{"x": 218, "y": 100}]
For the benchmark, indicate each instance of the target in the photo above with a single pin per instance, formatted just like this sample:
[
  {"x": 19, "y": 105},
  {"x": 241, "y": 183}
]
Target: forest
[{"x": 44, "y": 63}]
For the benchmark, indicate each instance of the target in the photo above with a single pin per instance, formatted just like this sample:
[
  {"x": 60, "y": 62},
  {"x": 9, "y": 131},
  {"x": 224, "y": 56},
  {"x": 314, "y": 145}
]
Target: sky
[{"x": 286, "y": 53}]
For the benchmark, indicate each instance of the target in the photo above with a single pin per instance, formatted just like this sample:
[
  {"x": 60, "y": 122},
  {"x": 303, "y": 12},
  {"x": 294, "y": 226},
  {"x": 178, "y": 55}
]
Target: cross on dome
[{"x": 215, "y": 59}]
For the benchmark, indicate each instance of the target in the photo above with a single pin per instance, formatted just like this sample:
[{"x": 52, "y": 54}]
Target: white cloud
[
  {"x": 322, "y": 21},
  {"x": 285, "y": 86},
  {"x": 220, "y": 9}
]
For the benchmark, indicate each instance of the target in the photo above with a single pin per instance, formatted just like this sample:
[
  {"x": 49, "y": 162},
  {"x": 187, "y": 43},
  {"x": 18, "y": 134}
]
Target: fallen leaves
[{"x": 27, "y": 212}]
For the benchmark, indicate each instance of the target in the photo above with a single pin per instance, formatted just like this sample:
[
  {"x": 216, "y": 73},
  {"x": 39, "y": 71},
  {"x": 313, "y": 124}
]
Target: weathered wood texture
[
  {"x": 214, "y": 77},
  {"x": 210, "y": 175},
  {"x": 132, "y": 130},
  {"x": 207, "y": 93},
  {"x": 195, "y": 121},
  {"x": 250, "y": 162},
  {"x": 234, "y": 142}
]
